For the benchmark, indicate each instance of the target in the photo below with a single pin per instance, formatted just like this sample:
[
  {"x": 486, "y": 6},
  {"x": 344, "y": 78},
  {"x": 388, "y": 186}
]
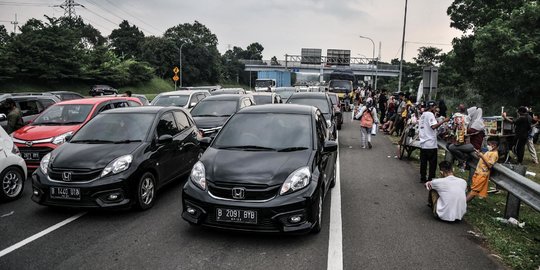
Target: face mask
[{"x": 490, "y": 147}]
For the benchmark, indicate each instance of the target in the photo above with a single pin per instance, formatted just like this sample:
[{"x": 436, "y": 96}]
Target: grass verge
[{"x": 518, "y": 248}]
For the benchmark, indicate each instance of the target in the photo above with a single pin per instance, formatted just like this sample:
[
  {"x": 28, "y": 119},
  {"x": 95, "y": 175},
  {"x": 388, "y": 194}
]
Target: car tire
[
  {"x": 12, "y": 184},
  {"x": 318, "y": 214},
  {"x": 146, "y": 191}
]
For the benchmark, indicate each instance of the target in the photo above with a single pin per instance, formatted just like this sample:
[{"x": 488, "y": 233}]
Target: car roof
[
  {"x": 263, "y": 94},
  {"x": 280, "y": 108},
  {"x": 145, "y": 109},
  {"x": 64, "y": 92},
  {"x": 311, "y": 95},
  {"x": 96, "y": 100},
  {"x": 182, "y": 92},
  {"x": 226, "y": 97},
  {"x": 18, "y": 97}
]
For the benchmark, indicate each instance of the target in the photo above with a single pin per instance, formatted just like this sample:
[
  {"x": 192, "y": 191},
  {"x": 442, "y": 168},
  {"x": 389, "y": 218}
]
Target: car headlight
[
  {"x": 62, "y": 138},
  {"x": 296, "y": 181},
  {"x": 118, "y": 165},
  {"x": 44, "y": 164},
  {"x": 198, "y": 175}
]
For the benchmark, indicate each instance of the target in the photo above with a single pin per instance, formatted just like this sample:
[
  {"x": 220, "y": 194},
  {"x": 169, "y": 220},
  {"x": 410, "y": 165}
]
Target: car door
[
  {"x": 187, "y": 138},
  {"x": 167, "y": 154},
  {"x": 323, "y": 158}
]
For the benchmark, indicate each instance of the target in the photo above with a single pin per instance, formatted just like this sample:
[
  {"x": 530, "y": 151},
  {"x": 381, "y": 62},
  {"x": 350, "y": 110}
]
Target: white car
[{"x": 13, "y": 170}]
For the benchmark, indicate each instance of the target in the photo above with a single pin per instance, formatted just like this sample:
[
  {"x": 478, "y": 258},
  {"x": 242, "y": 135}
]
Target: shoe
[
  {"x": 363, "y": 147},
  {"x": 369, "y": 145}
]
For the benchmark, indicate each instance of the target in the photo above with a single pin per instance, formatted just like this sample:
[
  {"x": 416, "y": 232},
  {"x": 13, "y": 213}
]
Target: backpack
[{"x": 367, "y": 119}]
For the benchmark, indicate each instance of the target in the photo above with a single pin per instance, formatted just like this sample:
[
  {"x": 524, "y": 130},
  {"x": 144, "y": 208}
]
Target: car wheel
[
  {"x": 12, "y": 184},
  {"x": 318, "y": 216},
  {"x": 146, "y": 191},
  {"x": 333, "y": 182}
]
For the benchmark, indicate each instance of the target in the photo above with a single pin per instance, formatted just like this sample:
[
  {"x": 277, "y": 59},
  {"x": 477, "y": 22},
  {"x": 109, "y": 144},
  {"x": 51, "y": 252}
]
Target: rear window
[
  {"x": 178, "y": 101},
  {"x": 321, "y": 104},
  {"x": 262, "y": 99}
]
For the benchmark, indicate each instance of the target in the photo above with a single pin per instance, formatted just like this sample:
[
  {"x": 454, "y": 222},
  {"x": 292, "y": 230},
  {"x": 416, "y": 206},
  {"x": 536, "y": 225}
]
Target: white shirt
[
  {"x": 428, "y": 135},
  {"x": 452, "y": 203}
]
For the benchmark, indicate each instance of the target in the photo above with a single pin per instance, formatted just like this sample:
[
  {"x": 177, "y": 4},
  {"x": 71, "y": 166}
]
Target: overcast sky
[{"x": 281, "y": 26}]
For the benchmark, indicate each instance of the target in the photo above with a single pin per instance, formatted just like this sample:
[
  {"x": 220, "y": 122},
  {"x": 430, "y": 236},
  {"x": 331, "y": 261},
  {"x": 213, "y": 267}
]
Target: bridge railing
[
  {"x": 511, "y": 178},
  {"x": 296, "y": 64}
]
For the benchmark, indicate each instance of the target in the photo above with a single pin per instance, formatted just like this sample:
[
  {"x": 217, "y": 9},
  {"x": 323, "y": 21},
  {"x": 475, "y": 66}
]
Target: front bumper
[
  {"x": 94, "y": 194},
  {"x": 272, "y": 216}
]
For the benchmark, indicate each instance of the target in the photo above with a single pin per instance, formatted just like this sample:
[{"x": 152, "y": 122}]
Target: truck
[
  {"x": 262, "y": 85},
  {"x": 272, "y": 79},
  {"x": 342, "y": 82}
]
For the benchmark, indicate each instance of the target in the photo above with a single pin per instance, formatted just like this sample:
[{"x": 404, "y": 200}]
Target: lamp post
[
  {"x": 376, "y": 61},
  {"x": 180, "y": 61},
  {"x": 402, "y": 47}
]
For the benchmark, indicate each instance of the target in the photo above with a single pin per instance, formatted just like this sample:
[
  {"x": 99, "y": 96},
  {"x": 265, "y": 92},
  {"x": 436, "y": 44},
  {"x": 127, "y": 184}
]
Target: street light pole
[
  {"x": 372, "y": 42},
  {"x": 180, "y": 62},
  {"x": 402, "y": 47}
]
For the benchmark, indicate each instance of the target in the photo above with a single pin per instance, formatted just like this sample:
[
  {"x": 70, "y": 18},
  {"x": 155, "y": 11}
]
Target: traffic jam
[{"x": 251, "y": 161}]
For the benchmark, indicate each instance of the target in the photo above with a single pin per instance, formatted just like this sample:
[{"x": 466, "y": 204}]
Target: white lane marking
[
  {"x": 335, "y": 244},
  {"x": 7, "y": 215},
  {"x": 39, "y": 234}
]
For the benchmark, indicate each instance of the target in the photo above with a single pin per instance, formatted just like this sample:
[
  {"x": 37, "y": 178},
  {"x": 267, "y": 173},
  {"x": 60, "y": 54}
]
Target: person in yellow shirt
[{"x": 480, "y": 179}]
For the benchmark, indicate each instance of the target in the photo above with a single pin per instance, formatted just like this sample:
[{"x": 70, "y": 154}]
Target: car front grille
[
  {"x": 251, "y": 192},
  {"x": 77, "y": 175}
]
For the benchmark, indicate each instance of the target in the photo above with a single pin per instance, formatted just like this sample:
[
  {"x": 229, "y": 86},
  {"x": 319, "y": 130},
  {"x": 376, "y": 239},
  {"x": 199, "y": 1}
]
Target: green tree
[
  {"x": 127, "y": 40},
  {"x": 428, "y": 56},
  {"x": 162, "y": 54}
]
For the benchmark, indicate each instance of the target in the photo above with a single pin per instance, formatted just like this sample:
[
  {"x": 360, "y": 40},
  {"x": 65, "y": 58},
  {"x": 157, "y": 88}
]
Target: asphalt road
[{"x": 384, "y": 218}]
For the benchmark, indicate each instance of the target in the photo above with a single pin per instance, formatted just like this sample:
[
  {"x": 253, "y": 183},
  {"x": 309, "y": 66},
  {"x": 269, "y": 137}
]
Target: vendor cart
[
  {"x": 501, "y": 130},
  {"x": 409, "y": 140}
]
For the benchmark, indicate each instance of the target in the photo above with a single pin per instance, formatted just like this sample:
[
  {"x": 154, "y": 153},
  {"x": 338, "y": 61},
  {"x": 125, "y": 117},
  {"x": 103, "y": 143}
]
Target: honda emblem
[
  {"x": 66, "y": 176},
  {"x": 238, "y": 193},
  {"x": 29, "y": 143}
]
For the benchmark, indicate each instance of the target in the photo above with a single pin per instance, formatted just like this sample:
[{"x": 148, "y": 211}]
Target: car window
[
  {"x": 106, "y": 107},
  {"x": 116, "y": 127},
  {"x": 121, "y": 104},
  {"x": 178, "y": 100},
  {"x": 67, "y": 114},
  {"x": 262, "y": 99},
  {"x": 218, "y": 108},
  {"x": 46, "y": 103},
  {"x": 320, "y": 103},
  {"x": 182, "y": 121},
  {"x": 321, "y": 128},
  {"x": 133, "y": 103},
  {"x": 30, "y": 107},
  {"x": 167, "y": 125}
]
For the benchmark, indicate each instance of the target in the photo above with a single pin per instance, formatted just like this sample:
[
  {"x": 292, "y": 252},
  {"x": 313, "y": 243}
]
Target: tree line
[{"x": 58, "y": 50}]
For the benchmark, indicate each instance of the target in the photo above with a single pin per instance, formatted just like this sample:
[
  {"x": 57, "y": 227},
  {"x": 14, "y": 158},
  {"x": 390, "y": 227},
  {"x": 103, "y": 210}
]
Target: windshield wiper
[
  {"x": 92, "y": 141},
  {"x": 127, "y": 141},
  {"x": 249, "y": 147},
  {"x": 292, "y": 149}
]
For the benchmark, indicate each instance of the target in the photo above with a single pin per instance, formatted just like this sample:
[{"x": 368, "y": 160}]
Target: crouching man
[{"x": 447, "y": 194}]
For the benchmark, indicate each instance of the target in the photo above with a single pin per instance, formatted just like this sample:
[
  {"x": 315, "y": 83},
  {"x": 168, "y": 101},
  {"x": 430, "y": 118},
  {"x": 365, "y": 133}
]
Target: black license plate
[
  {"x": 236, "y": 215},
  {"x": 65, "y": 193},
  {"x": 30, "y": 156}
]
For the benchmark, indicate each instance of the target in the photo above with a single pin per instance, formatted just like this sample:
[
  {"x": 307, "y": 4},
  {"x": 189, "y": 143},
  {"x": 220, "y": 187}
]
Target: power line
[
  {"x": 97, "y": 14},
  {"x": 428, "y": 43},
  {"x": 129, "y": 14},
  {"x": 69, "y": 8},
  {"x": 23, "y": 4},
  {"x": 110, "y": 12}
]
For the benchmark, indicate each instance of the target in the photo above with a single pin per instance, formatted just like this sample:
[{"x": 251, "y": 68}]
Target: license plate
[
  {"x": 236, "y": 215},
  {"x": 65, "y": 193},
  {"x": 30, "y": 156}
]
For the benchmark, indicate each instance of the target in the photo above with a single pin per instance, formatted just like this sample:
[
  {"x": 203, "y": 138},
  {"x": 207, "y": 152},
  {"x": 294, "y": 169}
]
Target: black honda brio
[
  {"x": 119, "y": 159},
  {"x": 268, "y": 170}
]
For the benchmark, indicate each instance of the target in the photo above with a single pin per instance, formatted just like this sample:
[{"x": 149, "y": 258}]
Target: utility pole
[
  {"x": 69, "y": 8},
  {"x": 15, "y": 23},
  {"x": 402, "y": 47}
]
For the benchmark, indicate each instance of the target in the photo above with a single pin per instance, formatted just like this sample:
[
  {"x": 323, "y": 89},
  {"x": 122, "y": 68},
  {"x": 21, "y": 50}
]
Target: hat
[{"x": 431, "y": 103}]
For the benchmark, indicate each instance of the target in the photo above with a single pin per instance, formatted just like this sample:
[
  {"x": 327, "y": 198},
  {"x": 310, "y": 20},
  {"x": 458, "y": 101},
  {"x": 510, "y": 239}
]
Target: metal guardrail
[{"x": 519, "y": 188}]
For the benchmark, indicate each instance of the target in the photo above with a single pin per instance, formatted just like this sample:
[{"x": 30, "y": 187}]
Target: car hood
[
  {"x": 89, "y": 156},
  {"x": 253, "y": 167},
  {"x": 210, "y": 121},
  {"x": 32, "y": 133}
]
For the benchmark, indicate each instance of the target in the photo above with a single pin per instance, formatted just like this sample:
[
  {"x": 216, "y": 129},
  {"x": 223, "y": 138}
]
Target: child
[{"x": 479, "y": 185}]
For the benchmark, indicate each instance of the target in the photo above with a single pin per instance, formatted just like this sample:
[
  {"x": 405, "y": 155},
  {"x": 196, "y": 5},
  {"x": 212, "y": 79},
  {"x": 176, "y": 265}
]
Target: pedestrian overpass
[{"x": 323, "y": 65}]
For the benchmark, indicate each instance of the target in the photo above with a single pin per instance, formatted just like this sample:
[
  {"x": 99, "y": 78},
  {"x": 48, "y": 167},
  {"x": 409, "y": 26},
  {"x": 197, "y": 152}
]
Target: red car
[{"x": 63, "y": 119}]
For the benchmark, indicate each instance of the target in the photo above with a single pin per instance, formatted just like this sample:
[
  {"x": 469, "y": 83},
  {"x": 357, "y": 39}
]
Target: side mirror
[
  {"x": 330, "y": 146},
  {"x": 192, "y": 104},
  {"x": 205, "y": 142},
  {"x": 164, "y": 139},
  {"x": 68, "y": 138},
  {"x": 3, "y": 117}
]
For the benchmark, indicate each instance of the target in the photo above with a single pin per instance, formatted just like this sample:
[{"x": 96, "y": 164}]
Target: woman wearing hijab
[{"x": 476, "y": 127}]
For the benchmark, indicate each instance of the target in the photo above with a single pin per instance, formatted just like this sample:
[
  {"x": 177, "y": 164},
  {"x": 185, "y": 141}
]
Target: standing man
[
  {"x": 401, "y": 106},
  {"x": 368, "y": 116},
  {"x": 428, "y": 141},
  {"x": 522, "y": 127},
  {"x": 14, "y": 117},
  {"x": 382, "y": 105},
  {"x": 530, "y": 141}
]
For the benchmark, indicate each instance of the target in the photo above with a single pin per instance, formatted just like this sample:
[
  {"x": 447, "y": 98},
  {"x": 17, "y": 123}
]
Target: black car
[
  {"x": 30, "y": 105},
  {"x": 102, "y": 90},
  {"x": 338, "y": 110},
  {"x": 66, "y": 95},
  {"x": 268, "y": 170},
  {"x": 321, "y": 101},
  {"x": 119, "y": 159},
  {"x": 211, "y": 113}
]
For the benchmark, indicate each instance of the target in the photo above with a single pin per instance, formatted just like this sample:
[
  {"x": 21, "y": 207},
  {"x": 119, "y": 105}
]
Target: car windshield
[
  {"x": 340, "y": 86},
  {"x": 259, "y": 99},
  {"x": 115, "y": 128},
  {"x": 266, "y": 131},
  {"x": 285, "y": 93},
  {"x": 321, "y": 104},
  {"x": 214, "y": 108},
  {"x": 165, "y": 100},
  {"x": 68, "y": 114},
  {"x": 334, "y": 99}
]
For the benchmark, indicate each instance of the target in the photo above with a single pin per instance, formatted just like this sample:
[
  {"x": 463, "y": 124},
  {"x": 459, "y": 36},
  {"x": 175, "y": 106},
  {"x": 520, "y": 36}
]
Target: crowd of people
[{"x": 464, "y": 133}]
